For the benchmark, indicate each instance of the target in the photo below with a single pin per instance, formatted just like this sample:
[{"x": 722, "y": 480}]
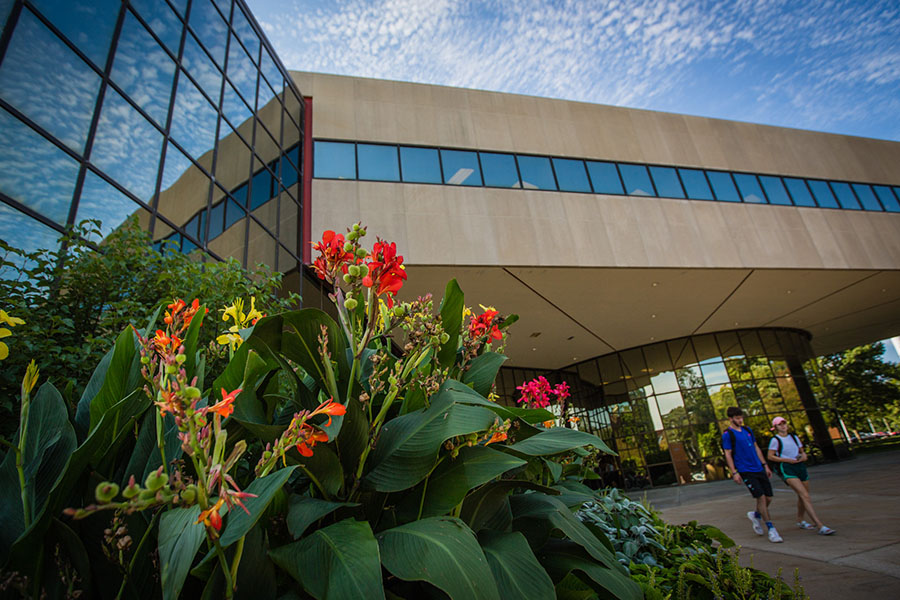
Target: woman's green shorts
[{"x": 797, "y": 470}]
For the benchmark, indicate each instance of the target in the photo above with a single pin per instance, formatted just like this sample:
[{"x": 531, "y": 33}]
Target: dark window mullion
[
  {"x": 621, "y": 179},
  {"x": 399, "y": 164},
  {"x": 11, "y": 22},
  {"x": 588, "y": 175},
  {"x": 521, "y": 182},
  {"x": 683, "y": 191},
  {"x": 159, "y": 42},
  {"x": 553, "y": 172},
  {"x": 652, "y": 183},
  {"x": 480, "y": 168}
]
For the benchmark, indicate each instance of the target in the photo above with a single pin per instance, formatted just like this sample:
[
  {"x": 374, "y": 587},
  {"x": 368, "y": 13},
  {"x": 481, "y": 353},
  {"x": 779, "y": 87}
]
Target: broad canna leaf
[
  {"x": 337, "y": 562},
  {"x": 191, "y": 340},
  {"x": 448, "y": 485},
  {"x": 325, "y": 467},
  {"x": 442, "y": 551},
  {"x": 463, "y": 394},
  {"x": 300, "y": 343},
  {"x": 180, "y": 537},
  {"x": 408, "y": 445},
  {"x": 240, "y": 521},
  {"x": 123, "y": 376},
  {"x": 561, "y": 558},
  {"x": 483, "y": 371},
  {"x": 558, "y": 439},
  {"x": 451, "y": 319},
  {"x": 304, "y": 511},
  {"x": 516, "y": 570},
  {"x": 145, "y": 456},
  {"x": 489, "y": 504}
]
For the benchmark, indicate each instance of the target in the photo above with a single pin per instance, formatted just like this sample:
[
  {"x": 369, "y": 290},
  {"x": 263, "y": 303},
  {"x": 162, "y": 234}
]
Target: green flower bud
[
  {"x": 399, "y": 311},
  {"x": 363, "y": 269},
  {"x": 356, "y": 227},
  {"x": 106, "y": 491},
  {"x": 353, "y": 235},
  {"x": 362, "y": 232},
  {"x": 189, "y": 494},
  {"x": 156, "y": 480},
  {"x": 354, "y": 270},
  {"x": 171, "y": 369},
  {"x": 350, "y": 303},
  {"x": 180, "y": 358},
  {"x": 362, "y": 253},
  {"x": 392, "y": 380},
  {"x": 146, "y": 495},
  {"x": 131, "y": 491},
  {"x": 445, "y": 337},
  {"x": 348, "y": 246},
  {"x": 145, "y": 360},
  {"x": 191, "y": 392}
]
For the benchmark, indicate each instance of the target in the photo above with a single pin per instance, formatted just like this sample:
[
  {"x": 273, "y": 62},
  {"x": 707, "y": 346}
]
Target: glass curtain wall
[
  {"x": 662, "y": 407},
  {"x": 176, "y": 113}
]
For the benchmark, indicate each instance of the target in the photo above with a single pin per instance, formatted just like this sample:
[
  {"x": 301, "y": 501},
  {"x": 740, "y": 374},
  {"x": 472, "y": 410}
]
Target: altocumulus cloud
[{"x": 816, "y": 64}]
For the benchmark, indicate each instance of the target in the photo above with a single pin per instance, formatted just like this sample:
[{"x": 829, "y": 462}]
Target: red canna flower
[
  {"x": 225, "y": 406},
  {"x": 163, "y": 342},
  {"x": 211, "y": 517},
  {"x": 332, "y": 255},
  {"x": 315, "y": 435},
  {"x": 386, "y": 272},
  {"x": 484, "y": 324}
]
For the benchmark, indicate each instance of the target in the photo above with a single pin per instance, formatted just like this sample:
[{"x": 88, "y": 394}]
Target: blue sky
[{"x": 824, "y": 65}]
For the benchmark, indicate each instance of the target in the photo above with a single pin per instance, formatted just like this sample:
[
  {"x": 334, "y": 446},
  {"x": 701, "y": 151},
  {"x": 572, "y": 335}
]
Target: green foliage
[
  {"x": 859, "y": 384},
  {"x": 77, "y": 299}
]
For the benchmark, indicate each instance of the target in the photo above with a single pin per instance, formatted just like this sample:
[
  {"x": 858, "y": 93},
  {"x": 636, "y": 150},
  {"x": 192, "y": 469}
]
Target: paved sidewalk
[{"x": 860, "y": 498}]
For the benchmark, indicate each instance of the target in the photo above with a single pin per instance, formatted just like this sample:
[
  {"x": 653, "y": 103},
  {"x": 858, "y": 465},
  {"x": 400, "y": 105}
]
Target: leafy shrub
[{"x": 628, "y": 524}]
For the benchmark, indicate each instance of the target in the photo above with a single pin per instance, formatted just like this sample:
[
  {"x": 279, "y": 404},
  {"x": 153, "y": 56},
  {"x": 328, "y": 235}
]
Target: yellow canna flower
[
  {"x": 31, "y": 377},
  {"x": 11, "y": 321}
]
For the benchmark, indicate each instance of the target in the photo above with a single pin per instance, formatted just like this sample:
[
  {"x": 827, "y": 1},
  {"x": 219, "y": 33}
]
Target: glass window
[
  {"x": 233, "y": 212},
  {"x": 664, "y": 382},
  {"x": 103, "y": 202},
  {"x": 260, "y": 189},
  {"x": 799, "y": 192},
  {"x": 210, "y": 29},
  {"x": 88, "y": 24},
  {"x": 723, "y": 186},
  {"x": 695, "y": 184},
  {"x": 845, "y": 195},
  {"x": 29, "y": 234},
  {"x": 666, "y": 181},
  {"x": 775, "y": 190},
  {"x": 536, "y": 173},
  {"x": 605, "y": 177},
  {"x": 460, "y": 168},
  {"x": 637, "y": 180},
  {"x": 271, "y": 72},
  {"x": 896, "y": 191},
  {"x": 420, "y": 165},
  {"x": 38, "y": 68},
  {"x": 749, "y": 188},
  {"x": 35, "y": 172},
  {"x": 335, "y": 160},
  {"x": 242, "y": 27},
  {"x": 671, "y": 408},
  {"x": 241, "y": 72},
  {"x": 289, "y": 173},
  {"x": 571, "y": 175},
  {"x": 216, "y": 220},
  {"x": 126, "y": 146},
  {"x": 377, "y": 162},
  {"x": 202, "y": 68},
  {"x": 143, "y": 70},
  {"x": 161, "y": 20},
  {"x": 265, "y": 93},
  {"x": 236, "y": 111},
  {"x": 714, "y": 373},
  {"x": 193, "y": 120},
  {"x": 176, "y": 165},
  {"x": 822, "y": 193},
  {"x": 888, "y": 200},
  {"x": 866, "y": 196}
]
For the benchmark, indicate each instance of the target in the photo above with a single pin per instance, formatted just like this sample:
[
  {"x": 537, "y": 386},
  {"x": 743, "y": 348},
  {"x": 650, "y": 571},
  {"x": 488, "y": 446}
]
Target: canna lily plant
[{"x": 358, "y": 453}]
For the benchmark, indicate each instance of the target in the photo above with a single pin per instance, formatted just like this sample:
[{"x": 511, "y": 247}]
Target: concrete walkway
[{"x": 860, "y": 498}]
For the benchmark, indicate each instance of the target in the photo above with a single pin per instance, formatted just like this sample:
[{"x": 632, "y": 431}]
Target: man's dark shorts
[{"x": 757, "y": 483}]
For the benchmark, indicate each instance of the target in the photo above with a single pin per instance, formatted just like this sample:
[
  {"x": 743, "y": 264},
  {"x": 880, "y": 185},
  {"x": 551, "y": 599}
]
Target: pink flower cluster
[{"x": 536, "y": 393}]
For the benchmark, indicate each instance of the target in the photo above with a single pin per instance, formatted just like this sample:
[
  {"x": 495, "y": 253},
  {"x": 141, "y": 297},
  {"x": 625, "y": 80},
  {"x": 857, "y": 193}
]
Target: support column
[{"x": 813, "y": 410}]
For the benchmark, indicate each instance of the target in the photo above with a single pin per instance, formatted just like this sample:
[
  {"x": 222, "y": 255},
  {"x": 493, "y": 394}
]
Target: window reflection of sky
[
  {"x": 101, "y": 201},
  {"x": 176, "y": 164},
  {"x": 234, "y": 108},
  {"x": 127, "y": 146},
  {"x": 88, "y": 24},
  {"x": 194, "y": 119},
  {"x": 34, "y": 171},
  {"x": 202, "y": 68},
  {"x": 23, "y": 232},
  {"x": 242, "y": 26},
  {"x": 161, "y": 20},
  {"x": 143, "y": 70},
  {"x": 271, "y": 72},
  {"x": 36, "y": 67},
  {"x": 210, "y": 29},
  {"x": 241, "y": 72}
]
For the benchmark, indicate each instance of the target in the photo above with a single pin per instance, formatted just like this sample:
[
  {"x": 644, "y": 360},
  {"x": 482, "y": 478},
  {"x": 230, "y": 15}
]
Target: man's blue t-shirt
[{"x": 744, "y": 454}]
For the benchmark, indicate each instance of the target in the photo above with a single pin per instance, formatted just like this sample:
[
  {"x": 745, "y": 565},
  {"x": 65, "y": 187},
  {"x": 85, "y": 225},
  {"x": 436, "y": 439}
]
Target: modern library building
[{"x": 664, "y": 266}]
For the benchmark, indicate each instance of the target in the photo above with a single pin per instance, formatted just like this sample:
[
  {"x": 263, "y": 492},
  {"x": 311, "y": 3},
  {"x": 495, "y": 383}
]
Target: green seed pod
[
  {"x": 353, "y": 270},
  {"x": 362, "y": 232},
  {"x": 392, "y": 380},
  {"x": 348, "y": 246},
  {"x": 106, "y": 491},
  {"x": 350, "y": 303},
  {"x": 189, "y": 494},
  {"x": 171, "y": 369},
  {"x": 363, "y": 269},
  {"x": 362, "y": 253},
  {"x": 180, "y": 358},
  {"x": 353, "y": 235},
  {"x": 146, "y": 495},
  {"x": 145, "y": 360},
  {"x": 131, "y": 491},
  {"x": 445, "y": 337},
  {"x": 399, "y": 311},
  {"x": 191, "y": 392},
  {"x": 156, "y": 480},
  {"x": 347, "y": 278},
  {"x": 356, "y": 227}
]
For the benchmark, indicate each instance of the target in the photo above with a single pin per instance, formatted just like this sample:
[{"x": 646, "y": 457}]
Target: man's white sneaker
[
  {"x": 773, "y": 536},
  {"x": 826, "y": 530},
  {"x": 805, "y": 525},
  {"x": 757, "y": 523}
]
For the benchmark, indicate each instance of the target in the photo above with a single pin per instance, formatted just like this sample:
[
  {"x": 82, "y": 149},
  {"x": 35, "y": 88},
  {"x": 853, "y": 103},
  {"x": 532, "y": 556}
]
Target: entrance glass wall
[{"x": 662, "y": 407}]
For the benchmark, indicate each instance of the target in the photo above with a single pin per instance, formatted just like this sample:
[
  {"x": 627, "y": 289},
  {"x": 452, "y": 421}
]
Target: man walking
[{"x": 748, "y": 466}]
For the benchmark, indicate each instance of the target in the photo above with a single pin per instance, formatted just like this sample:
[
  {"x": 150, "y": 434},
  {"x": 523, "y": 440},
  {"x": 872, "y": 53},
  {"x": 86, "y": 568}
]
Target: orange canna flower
[
  {"x": 305, "y": 447},
  {"x": 225, "y": 406},
  {"x": 330, "y": 407},
  {"x": 497, "y": 437},
  {"x": 211, "y": 517}
]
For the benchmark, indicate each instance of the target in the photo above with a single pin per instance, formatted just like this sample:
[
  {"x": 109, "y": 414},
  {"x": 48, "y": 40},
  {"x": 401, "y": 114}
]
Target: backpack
[
  {"x": 776, "y": 466},
  {"x": 733, "y": 440}
]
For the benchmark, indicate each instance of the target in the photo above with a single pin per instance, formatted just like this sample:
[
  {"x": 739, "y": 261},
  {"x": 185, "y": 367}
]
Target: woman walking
[{"x": 786, "y": 450}]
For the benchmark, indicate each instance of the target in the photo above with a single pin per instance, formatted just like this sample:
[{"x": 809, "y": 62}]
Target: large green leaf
[
  {"x": 488, "y": 504},
  {"x": 517, "y": 572},
  {"x": 180, "y": 537},
  {"x": 123, "y": 376},
  {"x": 452, "y": 480},
  {"x": 93, "y": 387},
  {"x": 558, "y": 439},
  {"x": 408, "y": 445},
  {"x": 326, "y": 468},
  {"x": 561, "y": 558},
  {"x": 451, "y": 319},
  {"x": 354, "y": 436},
  {"x": 300, "y": 343},
  {"x": 191, "y": 340},
  {"x": 337, "y": 562},
  {"x": 528, "y": 507},
  {"x": 483, "y": 371},
  {"x": 463, "y": 394},
  {"x": 304, "y": 511},
  {"x": 249, "y": 411},
  {"x": 240, "y": 521},
  {"x": 145, "y": 456},
  {"x": 442, "y": 551}
]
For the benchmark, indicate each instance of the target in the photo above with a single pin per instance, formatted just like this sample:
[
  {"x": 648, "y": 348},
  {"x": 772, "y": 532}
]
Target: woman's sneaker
[
  {"x": 757, "y": 522},
  {"x": 773, "y": 536},
  {"x": 805, "y": 525},
  {"x": 826, "y": 530}
]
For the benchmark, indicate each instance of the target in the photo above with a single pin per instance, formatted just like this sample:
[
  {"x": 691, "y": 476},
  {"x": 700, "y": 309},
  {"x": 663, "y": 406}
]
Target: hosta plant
[{"x": 359, "y": 455}]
